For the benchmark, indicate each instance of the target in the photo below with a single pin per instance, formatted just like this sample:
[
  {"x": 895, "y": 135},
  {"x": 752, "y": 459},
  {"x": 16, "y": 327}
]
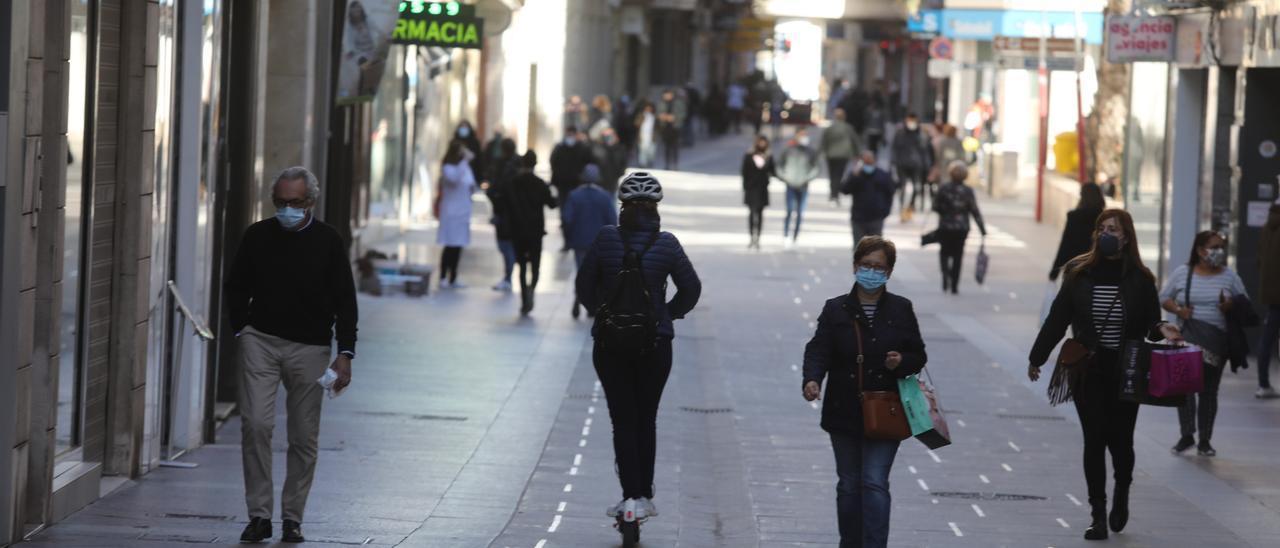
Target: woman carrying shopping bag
[
  {"x": 1200, "y": 294},
  {"x": 865, "y": 341},
  {"x": 1107, "y": 296},
  {"x": 955, "y": 204}
]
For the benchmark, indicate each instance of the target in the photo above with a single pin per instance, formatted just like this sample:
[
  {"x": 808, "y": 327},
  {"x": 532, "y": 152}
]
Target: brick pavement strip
[{"x": 470, "y": 428}]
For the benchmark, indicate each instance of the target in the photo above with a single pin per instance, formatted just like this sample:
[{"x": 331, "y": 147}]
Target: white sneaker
[
  {"x": 647, "y": 507},
  {"x": 788, "y": 243},
  {"x": 1266, "y": 393},
  {"x": 458, "y": 285},
  {"x": 615, "y": 510},
  {"x": 503, "y": 286},
  {"x": 444, "y": 284}
]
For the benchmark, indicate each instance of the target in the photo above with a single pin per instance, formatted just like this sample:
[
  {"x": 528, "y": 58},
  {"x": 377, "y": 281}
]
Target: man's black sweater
[{"x": 295, "y": 285}]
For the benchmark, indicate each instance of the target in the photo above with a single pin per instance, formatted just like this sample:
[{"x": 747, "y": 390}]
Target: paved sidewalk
[{"x": 469, "y": 427}]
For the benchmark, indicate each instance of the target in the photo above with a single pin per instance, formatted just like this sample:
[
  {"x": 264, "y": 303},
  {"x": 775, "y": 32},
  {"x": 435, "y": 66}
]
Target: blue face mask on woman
[{"x": 871, "y": 279}]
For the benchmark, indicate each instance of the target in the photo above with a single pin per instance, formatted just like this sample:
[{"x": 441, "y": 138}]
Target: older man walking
[{"x": 289, "y": 292}]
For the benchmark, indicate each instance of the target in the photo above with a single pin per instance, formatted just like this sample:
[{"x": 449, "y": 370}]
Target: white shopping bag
[{"x": 330, "y": 377}]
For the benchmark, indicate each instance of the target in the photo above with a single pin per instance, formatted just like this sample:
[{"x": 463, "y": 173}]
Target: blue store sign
[{"x": 985, "y": 25}]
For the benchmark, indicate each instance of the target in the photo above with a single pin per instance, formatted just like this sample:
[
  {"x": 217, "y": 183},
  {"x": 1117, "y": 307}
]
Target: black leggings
[
  {"x": 529, "y": 257},
  {"x": 633, "y": 388},
  {"x": 1208, "y": 408},
  {"x": 755, "y": 221},
  {"x": 449, "y": 263},
  {"x": 1108, "y": 424},
  {"x": 913, "y": 178},
  {"x": 951, "y": 255},
  {"x": 835, "y": 173}
]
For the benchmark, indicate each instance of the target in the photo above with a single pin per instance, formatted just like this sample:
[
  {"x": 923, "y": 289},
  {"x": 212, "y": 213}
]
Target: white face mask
[
  {"x": 804, "y": 141},
  {"x": 912, "y": 126}
]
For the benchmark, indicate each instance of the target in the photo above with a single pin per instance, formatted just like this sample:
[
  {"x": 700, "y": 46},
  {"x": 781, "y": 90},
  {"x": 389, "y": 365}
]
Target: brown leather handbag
[
  {"x": 883, "y": 417},
  {"x": 1074, "y": 361}
]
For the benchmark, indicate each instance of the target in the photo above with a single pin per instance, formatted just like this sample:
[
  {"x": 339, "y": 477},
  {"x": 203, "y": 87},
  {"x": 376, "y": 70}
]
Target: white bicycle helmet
[{"x": 640, "y": 185}]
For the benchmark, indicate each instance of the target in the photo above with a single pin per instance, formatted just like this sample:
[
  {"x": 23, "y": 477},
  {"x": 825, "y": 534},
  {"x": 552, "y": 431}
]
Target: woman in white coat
[{"x": 453, "y": 209}]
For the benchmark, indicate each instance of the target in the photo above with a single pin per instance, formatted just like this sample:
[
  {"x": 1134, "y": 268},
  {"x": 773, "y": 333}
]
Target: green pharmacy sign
[{"x": 441, "y": 24}]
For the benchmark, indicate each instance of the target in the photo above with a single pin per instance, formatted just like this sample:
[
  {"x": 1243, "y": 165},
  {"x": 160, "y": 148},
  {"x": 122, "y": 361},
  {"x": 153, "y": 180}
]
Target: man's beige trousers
[{"x": 266, "y": 361}]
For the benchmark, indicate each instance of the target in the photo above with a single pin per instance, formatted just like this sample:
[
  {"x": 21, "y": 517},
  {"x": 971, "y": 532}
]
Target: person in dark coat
[
  {"x": 840, "y": 145},
  {"x": 1107, "y": 297},
  {"x": 1077, "y": 235},
  {"x": 467, "y": 134},
  {"x": 955, "y": 204},
  {"x": 757, "y": 169},
  {"x": 891, "y": 348},
  {"x": 912, "y": 158},
  {"x": 872, "y": 190},
  {"x": 633, "y": 383},
  {"x": 1269, "y": 296},
  {"x": 496, "y": 188},
  {"x": 567, "y": 160},
  {"x": 528, "y": 195},
  {"x": 610, "y": 157},
  {"x": 588, "y": 209}
]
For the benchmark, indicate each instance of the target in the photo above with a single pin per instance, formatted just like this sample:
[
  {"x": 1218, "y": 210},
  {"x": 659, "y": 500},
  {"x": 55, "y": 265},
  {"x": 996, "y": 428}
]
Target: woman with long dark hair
[
  {"x": 633, "y": 381},
  {"x": 757, "y": 169},
  {"x": 873, "y": 334},
  {"x": 453, "y": 209},
  {"x": 1199, "y": 293},
  {"x": 1108, "y": 296},
  {"x": 1077, "y": 235}
]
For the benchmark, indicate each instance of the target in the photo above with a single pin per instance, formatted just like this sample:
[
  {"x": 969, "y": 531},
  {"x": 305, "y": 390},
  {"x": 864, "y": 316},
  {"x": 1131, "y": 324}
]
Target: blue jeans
[
  {"x": 508, "y": 250},
  {"x": 1270, "y": 334},
  {"x": 796, "y": 198},
  {"x": 862, "y": 494}
]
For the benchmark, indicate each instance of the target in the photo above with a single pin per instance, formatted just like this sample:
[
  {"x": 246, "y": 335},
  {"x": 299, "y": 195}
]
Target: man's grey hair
[
  {"x": 958, "y": 170},
  {"x": 295, "y": 173}
]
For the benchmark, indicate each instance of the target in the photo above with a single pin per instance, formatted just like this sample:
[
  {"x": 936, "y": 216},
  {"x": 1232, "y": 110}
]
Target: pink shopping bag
[{"x": 1176, "y": 371}]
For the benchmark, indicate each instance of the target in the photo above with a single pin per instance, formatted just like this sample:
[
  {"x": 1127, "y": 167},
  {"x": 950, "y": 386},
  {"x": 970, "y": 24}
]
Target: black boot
[
  {"x": 1120, "y": 507},
  {"x": 1098, "y": 528}
]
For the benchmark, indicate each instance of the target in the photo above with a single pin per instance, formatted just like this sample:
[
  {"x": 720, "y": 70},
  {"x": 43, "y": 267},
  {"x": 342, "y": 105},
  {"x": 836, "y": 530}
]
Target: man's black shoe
[
  {"x": 258, "y": 530},
  {"x": 292, "y": 531}
]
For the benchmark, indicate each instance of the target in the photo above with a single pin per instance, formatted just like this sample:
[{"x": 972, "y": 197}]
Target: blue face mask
[
  {"x": 871, "y": 280},
  {"x": 868, "y": 169},
  {"x": 290, "y": 217}
]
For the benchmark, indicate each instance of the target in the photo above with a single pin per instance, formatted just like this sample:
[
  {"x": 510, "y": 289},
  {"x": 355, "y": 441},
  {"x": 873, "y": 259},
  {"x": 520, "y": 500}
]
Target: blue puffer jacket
[{"x": 665, "y": 259}]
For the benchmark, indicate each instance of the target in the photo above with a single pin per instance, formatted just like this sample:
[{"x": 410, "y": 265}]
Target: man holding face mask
[
  {"x": 872, "y": 189},
  {"x": 289, "y": 292}
]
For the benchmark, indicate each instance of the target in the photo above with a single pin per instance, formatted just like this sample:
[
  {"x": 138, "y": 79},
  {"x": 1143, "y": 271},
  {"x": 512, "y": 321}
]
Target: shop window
[{"x": 75, "y": 245}]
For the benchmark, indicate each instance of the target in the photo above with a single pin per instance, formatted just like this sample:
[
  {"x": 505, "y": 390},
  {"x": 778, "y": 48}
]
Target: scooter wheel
[{"x": 630, "y": 531}]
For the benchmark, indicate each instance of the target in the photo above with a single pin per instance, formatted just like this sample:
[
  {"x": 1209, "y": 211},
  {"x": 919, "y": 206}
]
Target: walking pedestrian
[
  {"x": 624, "y": 123},
  {"x": 865, "y": 340},
  {"x": 601, "y": 117},
  {"x": 647, "y": 127},
  {"x": 840, "y": 144},
  {"x": 453, "y": 209},
  {"x": 671, "y": 118},
  {"x": 1108, "y": 296},
  {"x": 467, "y": 134},
  {"x": 588, "y": 209},
  {"x": 871, "y": 189},
  {"x": 1199, "y": 293},
  {"x": 692, "y": 99},
  {"x": 947, "y": 148},
  {"x": 737, "y": 103},
  {"x": 757, "y": 171},
  {"x": 527, "y": 197},
  {"x": 955, "y": 204},
  {"x": 289, "y": 293},
  {"x": 607, "y": 153},
  {"x": 874, "y": 121},
  {"x": 912, "y": 158},
  {"x": 496, "y": 188},
  {"x": 1269, "y": 294},
  {"x": 633, "y": 381},
  {"x": 797, "y": 167},
  {"x": 1077, "y": 235},
  {"x": 567, "y": 160}
]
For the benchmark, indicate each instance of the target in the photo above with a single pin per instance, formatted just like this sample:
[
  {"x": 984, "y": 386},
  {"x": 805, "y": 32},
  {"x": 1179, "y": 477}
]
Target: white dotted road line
[
  {"x": 561, "y": 507},
  {"x": 573, "y": 471},
  {"x": 984, "y": 479},
  {"x": 1006, "y": 467},
  {"x": 1015, "y": 447},
  {"x": 1063, "y": 523},
  {"x": 540, "y": 543},
  {"x": 955, "y": 529},
  {"x": 555, "y": 524},
  {"x": 934, "y": 456},
  {"x": 582, "y": 443},
  {"x": 912, "y": 469},
  {"x": 961, "y": 423},
  {"x": 923, "y": 485},
  {"x": 978, "y": 510},
  {"x": 1074, "y": 500},
  {"x": 568, "y": 487}
]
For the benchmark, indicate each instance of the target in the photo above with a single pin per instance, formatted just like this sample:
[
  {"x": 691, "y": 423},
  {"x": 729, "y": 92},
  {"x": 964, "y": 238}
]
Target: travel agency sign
[
  {"x": 1137, "y": 38},
  {"x": 439, "y": 24}
]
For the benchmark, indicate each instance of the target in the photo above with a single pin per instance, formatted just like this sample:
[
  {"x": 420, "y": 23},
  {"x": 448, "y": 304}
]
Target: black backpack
[{"x": 625, "y": 323}]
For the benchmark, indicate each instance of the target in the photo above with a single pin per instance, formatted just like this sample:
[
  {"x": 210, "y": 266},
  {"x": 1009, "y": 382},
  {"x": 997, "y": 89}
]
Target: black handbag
[
  {"x": 930, "y": 237},
  {"x": 1135, "y": 367}
]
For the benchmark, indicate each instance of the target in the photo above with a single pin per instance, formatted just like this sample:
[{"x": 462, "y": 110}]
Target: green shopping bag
[{"x": 915, "y": 405}]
